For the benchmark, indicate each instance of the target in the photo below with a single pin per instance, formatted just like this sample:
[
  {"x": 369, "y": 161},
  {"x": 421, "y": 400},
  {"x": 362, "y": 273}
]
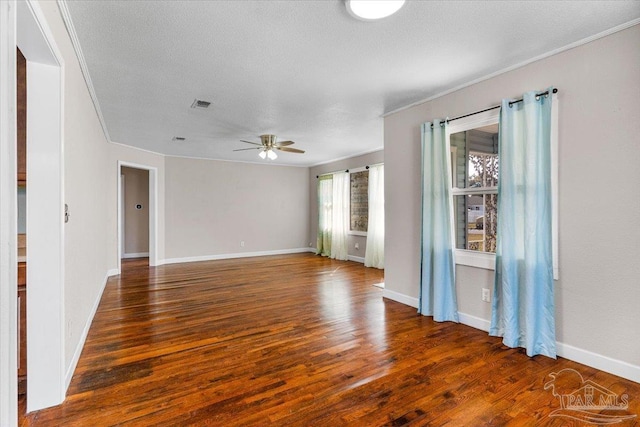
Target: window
[
  {"x": 359, "y": 205},
  {"x": 474, "y": 167},
  {"x": 475, "y": 188}
]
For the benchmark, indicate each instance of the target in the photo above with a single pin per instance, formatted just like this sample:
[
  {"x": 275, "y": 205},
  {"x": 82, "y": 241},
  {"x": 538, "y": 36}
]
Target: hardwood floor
[{"x": 295, "y": 340}]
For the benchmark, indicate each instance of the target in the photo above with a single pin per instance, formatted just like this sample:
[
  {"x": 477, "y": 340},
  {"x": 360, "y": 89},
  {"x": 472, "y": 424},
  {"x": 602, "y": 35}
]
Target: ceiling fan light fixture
[
  {"x": 268, "y": 146},
  {"x": 372, "y": 10}
]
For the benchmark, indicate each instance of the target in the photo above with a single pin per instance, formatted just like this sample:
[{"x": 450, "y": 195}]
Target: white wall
[
  {"x": 207, "y": 207},
  {"x": 597, "y": 296},
  {"x": 85, "y": 184},
  {"x": 211, "y": 206},
  {"x": 339, "y": 165},
  {"x": 136, "y": 221},
  {"x": 8, "y": 210}
]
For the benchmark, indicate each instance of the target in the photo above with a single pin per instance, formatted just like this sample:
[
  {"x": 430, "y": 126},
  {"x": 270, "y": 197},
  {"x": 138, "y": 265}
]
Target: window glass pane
[
  {"x": 475, "y": 157},
  {"x": 483, "y": 170},
  {"x": 476, "y": 219},
  {"x": 359, "y": 201},
  {"x": 490, "y": 226}
]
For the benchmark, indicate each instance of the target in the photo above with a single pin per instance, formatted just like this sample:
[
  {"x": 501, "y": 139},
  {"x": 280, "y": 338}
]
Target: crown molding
[
  {"x": 68, "y": 23},
  {"x": 575, "y": 44},
  {"x": 350, "y": 156}
]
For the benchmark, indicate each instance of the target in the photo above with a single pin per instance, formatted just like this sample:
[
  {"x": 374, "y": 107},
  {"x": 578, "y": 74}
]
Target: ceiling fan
[{"x": 268, "y": 146}]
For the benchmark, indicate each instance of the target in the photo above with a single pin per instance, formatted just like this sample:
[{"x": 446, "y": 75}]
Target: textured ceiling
[{"x": 303, "y": 70}]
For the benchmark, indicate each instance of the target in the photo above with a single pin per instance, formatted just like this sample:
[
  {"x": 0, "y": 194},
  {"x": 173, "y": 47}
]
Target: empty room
[{"x": 319, "y": 213}]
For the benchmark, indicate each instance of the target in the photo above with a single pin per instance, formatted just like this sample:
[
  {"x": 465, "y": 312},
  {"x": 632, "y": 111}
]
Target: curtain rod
[
  {"x": 545, "y": 93},
  {"x": 331, "y": 173},
  {"x": 347, "y": 171}
]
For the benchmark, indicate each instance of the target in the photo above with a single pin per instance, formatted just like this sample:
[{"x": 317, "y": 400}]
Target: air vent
[
  {"x": 178, "y": 138},
  {"x": 198, "y": 103}
]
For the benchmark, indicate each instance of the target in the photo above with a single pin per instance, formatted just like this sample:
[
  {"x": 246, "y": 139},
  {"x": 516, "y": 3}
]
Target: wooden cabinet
[
  {"x": 21, "y": 152},
  {"x": 21, "y": 131},
  {"x": 22, "y": 327}
]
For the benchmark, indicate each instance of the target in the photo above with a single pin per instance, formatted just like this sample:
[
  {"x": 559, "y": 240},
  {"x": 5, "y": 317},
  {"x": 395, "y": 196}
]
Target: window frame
[{"x": 487, "y": 260}]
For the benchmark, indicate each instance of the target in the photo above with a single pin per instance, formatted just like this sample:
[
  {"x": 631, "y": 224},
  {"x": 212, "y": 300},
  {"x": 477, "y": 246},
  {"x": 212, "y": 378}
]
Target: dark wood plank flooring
[{"x": 295, "y": 340}]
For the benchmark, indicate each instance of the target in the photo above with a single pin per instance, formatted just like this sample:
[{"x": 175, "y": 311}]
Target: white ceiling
[{"x": 304, "y": 70}]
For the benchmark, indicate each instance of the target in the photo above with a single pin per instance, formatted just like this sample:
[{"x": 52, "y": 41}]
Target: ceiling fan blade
[
  {"x": 249, "y": 142},
  {"x": 245, "y": 149},
  {"x": 291, "y": 150},
  {"x": 284, "y": 143}
]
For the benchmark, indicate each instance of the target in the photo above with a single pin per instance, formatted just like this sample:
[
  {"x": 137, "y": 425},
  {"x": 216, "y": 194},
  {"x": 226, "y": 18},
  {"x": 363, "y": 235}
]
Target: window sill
[
  {"x": 475, "y": 259},
  {"x": 358, "y": 233}
]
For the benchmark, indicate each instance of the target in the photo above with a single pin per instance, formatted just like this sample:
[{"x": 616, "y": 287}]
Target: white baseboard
[
  {"x": 349, "y": 257},
  {"x": 474, "y": 322},
  {"x": 234, "y": 255},
  {"x": 113, "y": 272},
  {"x": 83, "y": 337},
  {"x": 598, "y": 361},
  {"x": 401, "y": 298},
  {"x": 586, "y": 357},
  {"x": 136, "y": 255}
]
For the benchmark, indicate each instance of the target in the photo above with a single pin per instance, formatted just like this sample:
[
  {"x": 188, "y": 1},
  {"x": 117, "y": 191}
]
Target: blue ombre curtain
[
  {"x": 523, "y": 305},
  {"x": 437, "y": 282}
]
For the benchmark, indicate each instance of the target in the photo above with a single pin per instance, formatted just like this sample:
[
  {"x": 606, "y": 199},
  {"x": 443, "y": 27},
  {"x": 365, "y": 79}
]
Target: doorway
[
  {"x": 137, "y": 212},
  {"x": 134, "y": 210}
]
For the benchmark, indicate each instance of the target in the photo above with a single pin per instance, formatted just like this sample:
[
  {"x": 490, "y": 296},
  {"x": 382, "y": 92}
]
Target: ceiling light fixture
[
  {"x": 371, "y": 10},
  {"x": 268, "y": 152}
]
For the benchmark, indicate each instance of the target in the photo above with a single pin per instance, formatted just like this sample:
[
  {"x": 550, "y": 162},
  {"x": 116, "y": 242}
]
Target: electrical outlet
[
  {"x": 486, "y": 295},
  {"x": 242, "y": 243}
]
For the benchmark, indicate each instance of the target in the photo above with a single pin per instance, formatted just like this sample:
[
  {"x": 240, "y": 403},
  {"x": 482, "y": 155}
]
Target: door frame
[
  {"x": 153, "y": 211},
  {"x": 46, "y": 385},
  {"x": 121, "y": 235},
  {"x": 8, "y": 218},
  {"x": 24, "y": 25}
]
